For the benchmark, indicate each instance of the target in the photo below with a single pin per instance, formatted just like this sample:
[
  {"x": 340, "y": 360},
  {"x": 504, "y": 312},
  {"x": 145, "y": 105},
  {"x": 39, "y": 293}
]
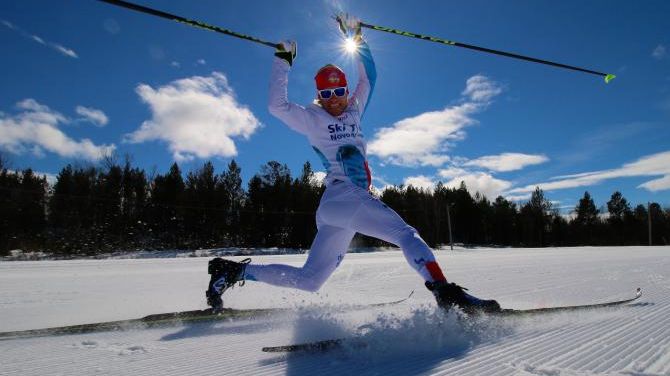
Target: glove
[
  {"x": 350, "y": 26},
  {"x": 287, "y": 50}
]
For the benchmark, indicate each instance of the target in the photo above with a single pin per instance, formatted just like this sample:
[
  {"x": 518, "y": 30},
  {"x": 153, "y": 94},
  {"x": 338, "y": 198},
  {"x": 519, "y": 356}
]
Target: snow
[{"x": 406, "y": 339}]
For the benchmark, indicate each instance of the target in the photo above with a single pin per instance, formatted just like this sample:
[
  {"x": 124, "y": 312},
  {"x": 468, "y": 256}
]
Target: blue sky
[{"x": 81, "y": 78}]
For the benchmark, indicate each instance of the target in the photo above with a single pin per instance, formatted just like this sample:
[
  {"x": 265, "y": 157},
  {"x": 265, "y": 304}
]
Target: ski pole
[
  {"x": 608, "y": 77},
  {"x": 194, "y": 23}
]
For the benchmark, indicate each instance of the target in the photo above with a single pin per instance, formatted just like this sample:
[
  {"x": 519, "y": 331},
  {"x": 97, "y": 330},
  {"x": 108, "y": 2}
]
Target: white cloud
[
  {"x": 35, "y": 130},
  {"x": 655, "y": 185},
  {"x": 651, "y": 165},
  {"x": 32, "y": 105},
  {"x": 36, "y": 38},
  {"x": 420, "y": 181},
  {"x": 507, "y": 161},
  {"x": 201, "y": 62},
  {"x": 660, "y": 52},
  {"x": 51, "y": 178},
  {"x": 517, "y": 198},
  {"x": 175, "y": 64},
  {"x": 7, "y": 24},
  {"x": 318, "y": 177},
  {"x": 481, "y": 182},
  {"x": 64, "y": 50},
  {"x": 379, "y": 184},
  {"x": 97, "y": 117},
  {"x": 423, "y": 139},
  {"x": 451, "y": 172},
  {"x": 481, "y": 89},
  {"x": 196, "y": 116}
]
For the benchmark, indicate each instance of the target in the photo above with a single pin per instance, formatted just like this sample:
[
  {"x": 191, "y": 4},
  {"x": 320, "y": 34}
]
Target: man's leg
[
  {"x": 358, "y": 211},
  {"x": 327, "y": 251},
  {"x": 375, "y": 219}
]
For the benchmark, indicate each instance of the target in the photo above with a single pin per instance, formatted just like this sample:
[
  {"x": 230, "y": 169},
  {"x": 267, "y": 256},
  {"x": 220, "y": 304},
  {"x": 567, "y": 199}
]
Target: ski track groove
[
  {"x": 525, "y": 341},
  {"x": 575, "y": 359},
  {"x": 484, "y": 354},
  {"x": 587, "y": 335},
  {"x": 625, "y": 339},
  {"x": 655, "y": 355},
  {"x": 636, "y": 326},
  {"x": 607, "y": 343},
  {"x": 646, "y": 348}
]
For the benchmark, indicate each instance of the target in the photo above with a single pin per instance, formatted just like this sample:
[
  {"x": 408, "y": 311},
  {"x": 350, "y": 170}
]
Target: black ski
[
  {"x": 317, "y": 346},
  {"x": 168, "y": 319},
  {"x": 161, "y": 319},
  {"x": 581, "y": 307},
  {"x": 354, "y": 342}
]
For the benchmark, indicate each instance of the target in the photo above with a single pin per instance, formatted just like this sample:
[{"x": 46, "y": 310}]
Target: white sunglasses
[{"x": 328, "y": 93}]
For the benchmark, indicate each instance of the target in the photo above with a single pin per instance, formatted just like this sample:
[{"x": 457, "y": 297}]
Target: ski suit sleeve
[
  {"x": 367, "y": 75},
  {"x": 293, "y": 115}
]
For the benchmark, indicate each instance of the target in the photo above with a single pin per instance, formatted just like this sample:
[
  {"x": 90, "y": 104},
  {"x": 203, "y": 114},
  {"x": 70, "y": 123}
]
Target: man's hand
[
  {"x": 287, "y": 50},
  {"x": 350, "y": 26}
]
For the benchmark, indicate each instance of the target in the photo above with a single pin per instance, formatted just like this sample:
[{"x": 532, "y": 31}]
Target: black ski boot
[
  {"x": 225, "y": 274},
  {"x": 451, "y": 294}
]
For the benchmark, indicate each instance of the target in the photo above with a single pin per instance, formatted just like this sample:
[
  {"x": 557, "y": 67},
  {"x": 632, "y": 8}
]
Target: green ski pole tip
[{"x": 609, "y": 78}]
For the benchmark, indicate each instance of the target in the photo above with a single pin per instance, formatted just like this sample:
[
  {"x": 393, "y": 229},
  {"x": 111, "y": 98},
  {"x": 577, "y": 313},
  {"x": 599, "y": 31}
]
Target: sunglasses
[{"x": 328, "y": 93}]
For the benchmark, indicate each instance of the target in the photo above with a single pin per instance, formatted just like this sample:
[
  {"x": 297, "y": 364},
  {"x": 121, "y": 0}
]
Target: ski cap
[{"x": 330, "y": 76}]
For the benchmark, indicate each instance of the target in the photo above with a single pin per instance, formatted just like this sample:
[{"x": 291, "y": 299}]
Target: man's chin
[{"x": 336, "y": 111}]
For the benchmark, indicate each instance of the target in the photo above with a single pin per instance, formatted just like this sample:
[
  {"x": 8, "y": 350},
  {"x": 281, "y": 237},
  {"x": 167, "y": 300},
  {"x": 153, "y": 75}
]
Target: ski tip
[{"x": 609, "y": 78}]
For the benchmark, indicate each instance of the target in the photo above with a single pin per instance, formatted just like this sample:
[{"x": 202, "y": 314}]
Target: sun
[{"x": 350, "y": 45}]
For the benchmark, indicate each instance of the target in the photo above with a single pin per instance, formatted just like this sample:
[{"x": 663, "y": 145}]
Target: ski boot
[
  {"x": 449, "y": 295},
  {"x": 225, "y": 274}
]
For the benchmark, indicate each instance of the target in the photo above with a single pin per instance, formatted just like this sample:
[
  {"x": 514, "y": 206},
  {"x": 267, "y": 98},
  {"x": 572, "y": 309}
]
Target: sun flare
[{"x": 350, "y": 45}]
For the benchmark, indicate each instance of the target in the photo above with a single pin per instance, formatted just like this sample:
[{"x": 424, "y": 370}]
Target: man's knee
[
  {"x": 311, "y": 280},
  {"x": 312, "y": 284},
  {"x": 409, "y": 236}
]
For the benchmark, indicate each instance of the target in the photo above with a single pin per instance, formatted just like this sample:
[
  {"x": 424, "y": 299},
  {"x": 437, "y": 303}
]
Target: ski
[
  {"x": 170, "y": 319},
  {"x": 161, "y": 319},
  {"x": 355, "y": 342},
  {"x": 580, "y": 307},
  {"x": 317, "y": 346}
]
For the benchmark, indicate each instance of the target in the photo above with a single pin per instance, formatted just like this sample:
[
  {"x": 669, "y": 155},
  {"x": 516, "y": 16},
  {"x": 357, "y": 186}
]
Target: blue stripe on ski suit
[{"x": 370, "y": 70}]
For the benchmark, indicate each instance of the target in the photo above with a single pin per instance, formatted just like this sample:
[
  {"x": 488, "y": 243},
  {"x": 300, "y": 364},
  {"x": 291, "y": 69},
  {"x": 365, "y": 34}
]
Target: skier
[{"x": 332, "y": 124}]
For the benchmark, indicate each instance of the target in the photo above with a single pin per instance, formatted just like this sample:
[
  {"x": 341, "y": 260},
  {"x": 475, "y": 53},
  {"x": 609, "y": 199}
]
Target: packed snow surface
[{"x": 411, "y": 338}]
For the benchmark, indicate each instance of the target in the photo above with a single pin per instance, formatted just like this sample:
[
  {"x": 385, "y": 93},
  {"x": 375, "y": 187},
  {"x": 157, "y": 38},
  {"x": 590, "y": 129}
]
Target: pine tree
[
  {"x": 166, "y": 208},
  {"x": 253, "y": 214},
  {"x": 619, "y": 212},
  {"x": 658, "y": 225},
  {"x": 535, "y": 219},
  {"x": 504, "y": 222},
  {"x": 204, "y": 214},
  {"x": 9, "y": 209},
  {"x": 133, "y": 205},
  {"x": 617, "y": 206},
  {"x": 586, "y": 220},
  {"x": 233, "y": 195},
  {"x": 276, "y": 186},
  {"x": 639, "y": 221},
  {"x": 587, "y": 213},
  {"x": 305, "y": 194}
]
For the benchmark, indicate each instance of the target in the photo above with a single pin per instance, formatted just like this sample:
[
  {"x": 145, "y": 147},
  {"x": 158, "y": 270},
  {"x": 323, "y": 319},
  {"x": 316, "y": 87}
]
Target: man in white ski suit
[
  {"x": 346, "y": 207},
  {"x": 332, "y": 125}
]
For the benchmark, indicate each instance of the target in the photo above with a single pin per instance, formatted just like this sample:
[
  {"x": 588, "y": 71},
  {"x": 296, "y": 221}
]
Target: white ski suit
[{"x": 346, "y": 206}]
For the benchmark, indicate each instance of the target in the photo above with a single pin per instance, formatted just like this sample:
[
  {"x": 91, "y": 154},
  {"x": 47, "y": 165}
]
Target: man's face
[{"x": 335, "y": 105}]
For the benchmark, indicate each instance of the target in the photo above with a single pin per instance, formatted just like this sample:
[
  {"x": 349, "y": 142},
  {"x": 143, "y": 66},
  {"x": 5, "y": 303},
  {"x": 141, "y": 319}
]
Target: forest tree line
[{"x": 115, "y": 206}]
